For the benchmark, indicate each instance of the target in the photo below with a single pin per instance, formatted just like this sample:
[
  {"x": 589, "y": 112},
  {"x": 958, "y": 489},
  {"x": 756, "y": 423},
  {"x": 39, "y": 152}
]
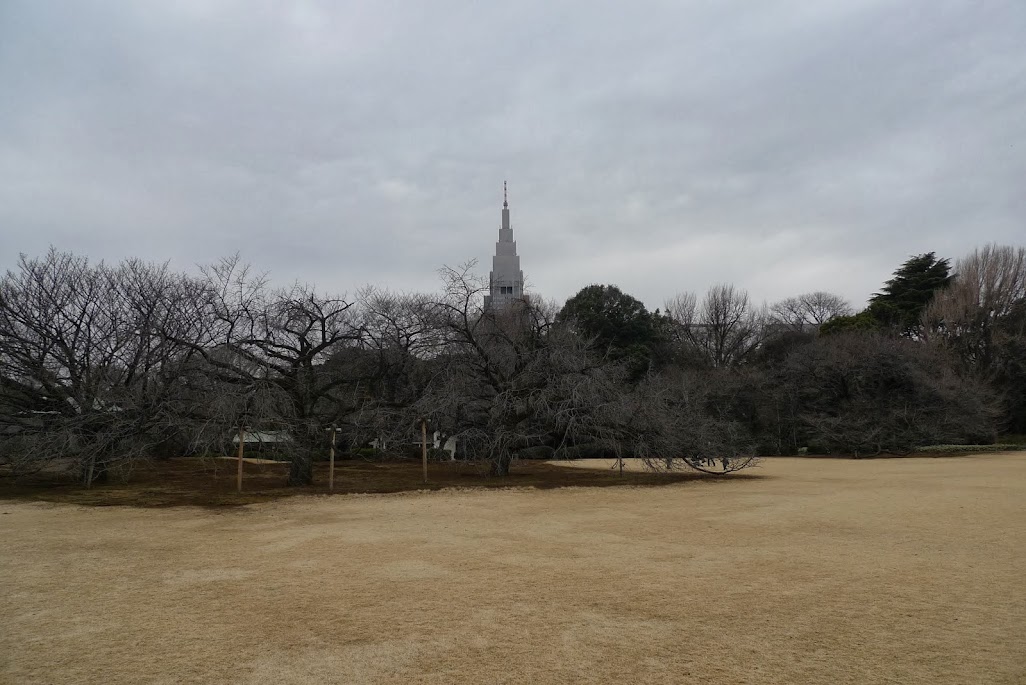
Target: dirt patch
[
  {"x": 822, "y": 571},
  {"x": 248, "y": 460},
  {"x": 610, "y": 465},
  {"x": 211, "y": 482}
]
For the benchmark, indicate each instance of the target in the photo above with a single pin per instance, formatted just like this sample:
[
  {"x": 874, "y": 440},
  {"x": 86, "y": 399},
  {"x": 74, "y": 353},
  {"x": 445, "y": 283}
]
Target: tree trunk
[
  {"x": 101, "y": 474},
  {"x": 87, "y": 470},
  {"x": 500, "y": 465},
  {"x": 301, "y": 468},
  {"x": 95, "y": 469}
]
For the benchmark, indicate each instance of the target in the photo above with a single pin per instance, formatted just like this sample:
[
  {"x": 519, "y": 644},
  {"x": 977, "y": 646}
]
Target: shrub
[{"x": 970, "y": 449}]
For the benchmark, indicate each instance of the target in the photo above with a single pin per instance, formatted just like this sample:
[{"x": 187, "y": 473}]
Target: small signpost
[
  {"x": 242, "y": 442},
  {"x": 331, "y": 460},
  {"x": 423, "y": 446}
]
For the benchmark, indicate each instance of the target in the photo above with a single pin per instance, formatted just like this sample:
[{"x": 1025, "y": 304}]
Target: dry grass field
[{"x": 815, "y": 571}]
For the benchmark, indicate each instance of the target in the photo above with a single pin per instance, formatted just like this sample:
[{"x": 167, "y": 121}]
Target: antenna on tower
[{"x": 505, "y": 201}]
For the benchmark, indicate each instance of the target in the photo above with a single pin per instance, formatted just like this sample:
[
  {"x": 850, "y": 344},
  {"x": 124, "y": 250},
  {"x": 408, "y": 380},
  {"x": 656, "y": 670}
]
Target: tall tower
[{"x": 506, "y": 280}]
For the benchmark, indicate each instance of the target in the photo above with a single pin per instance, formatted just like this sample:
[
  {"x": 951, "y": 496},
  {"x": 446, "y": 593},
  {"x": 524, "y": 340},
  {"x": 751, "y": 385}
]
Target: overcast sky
[{"x": 659, "y": 145}]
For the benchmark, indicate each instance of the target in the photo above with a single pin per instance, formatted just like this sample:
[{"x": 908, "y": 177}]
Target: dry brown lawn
[{"x": 820, "y": 571}]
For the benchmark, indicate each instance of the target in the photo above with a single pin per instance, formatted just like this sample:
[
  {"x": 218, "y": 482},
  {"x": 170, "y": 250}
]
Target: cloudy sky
[{"x": 661, "y": 145}]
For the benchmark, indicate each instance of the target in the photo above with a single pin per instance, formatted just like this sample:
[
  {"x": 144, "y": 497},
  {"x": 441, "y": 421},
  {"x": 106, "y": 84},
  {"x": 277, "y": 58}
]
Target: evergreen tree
[
  {"x": 863, "y": 321},
  {"x": 905, "y": 296},
  {"x": 617, "y": 323}
]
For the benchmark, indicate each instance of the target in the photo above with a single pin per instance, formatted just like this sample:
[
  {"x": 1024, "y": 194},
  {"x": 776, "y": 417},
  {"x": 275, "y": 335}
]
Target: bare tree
[
  {"x": 723, "y": 329},
  {"x": 809, "y": 310},
  {"x": 985, "y": 300},
  {"x": 675, "y": 420},
  {"x": 981, "y": 317},
  {"x": 87, "y": 370},
  {"x": 390, "y": 368},
  {"x": 509, "y": 379},
  {"x": 282, "y": 337},
  {"x": 517, "y": 379}
]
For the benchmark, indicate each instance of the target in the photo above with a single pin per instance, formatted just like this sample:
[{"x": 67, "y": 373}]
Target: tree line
[{"x": 103, "y": 365}]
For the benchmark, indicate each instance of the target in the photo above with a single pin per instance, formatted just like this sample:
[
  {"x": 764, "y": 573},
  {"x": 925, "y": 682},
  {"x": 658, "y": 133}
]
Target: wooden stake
[
  {"x": 242, "y": 441},
  {"x": 423, "y": 445},
  {"x": 331, "y": 461}
]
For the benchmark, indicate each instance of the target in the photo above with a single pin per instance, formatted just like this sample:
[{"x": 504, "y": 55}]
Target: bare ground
[
  {"x": 211, "y": 482},
  {"x": 821, "y": 571}
]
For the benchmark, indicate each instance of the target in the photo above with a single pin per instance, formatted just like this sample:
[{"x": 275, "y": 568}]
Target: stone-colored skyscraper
[{"x": 506, "y": 280}]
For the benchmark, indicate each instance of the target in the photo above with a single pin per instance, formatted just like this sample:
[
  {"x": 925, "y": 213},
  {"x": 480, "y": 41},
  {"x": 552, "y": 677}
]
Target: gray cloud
[{"x": 664, "y": 146}]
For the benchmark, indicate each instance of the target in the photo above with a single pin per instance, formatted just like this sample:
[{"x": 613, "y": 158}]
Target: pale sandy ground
[
  {"x": 636, "y": 465},
  {"x": 251, "y": 460},
  {"x": 822, "y": 571}
]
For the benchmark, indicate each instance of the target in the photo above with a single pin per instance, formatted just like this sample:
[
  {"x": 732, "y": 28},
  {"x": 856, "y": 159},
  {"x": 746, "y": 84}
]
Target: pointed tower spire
[{"x": 506, "y": 280}]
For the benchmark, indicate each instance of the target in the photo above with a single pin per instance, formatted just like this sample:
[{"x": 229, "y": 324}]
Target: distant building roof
[{"x": 264, "y": 437}]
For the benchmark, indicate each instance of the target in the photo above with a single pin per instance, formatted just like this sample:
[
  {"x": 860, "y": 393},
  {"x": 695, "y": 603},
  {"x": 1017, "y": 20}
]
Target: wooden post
[
  {"x": 331, "y": 461},
  {"x": 423, "y": 446},
  {"x": 242, "y": 441}
]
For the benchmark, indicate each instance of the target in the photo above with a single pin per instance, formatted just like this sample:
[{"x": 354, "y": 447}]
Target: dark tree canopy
[
  {"x": 609, "y": 315},
  {"x": 616, "y": 322},
  {"x": 863, "y": 321},
  {"x": 903, "y": 298},
  {"x": 865, "y": 393}
]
